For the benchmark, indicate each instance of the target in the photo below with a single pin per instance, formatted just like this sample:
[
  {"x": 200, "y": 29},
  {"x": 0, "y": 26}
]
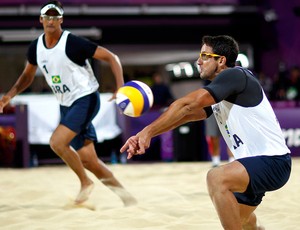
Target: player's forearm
[
  {"x": 116, "y": 67},
  {"x": 177, "y": 114},
  {"x": 22, "y": 83},
  {"x": 117, "y": 71}
]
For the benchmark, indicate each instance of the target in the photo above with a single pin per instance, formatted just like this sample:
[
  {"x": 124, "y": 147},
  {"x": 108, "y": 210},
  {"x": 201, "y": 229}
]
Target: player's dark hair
[{"x": 223, "y": 45}]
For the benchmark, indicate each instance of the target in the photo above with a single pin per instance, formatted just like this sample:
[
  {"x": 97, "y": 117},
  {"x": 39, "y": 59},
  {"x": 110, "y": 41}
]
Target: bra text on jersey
[{"x": 60, "y": 89}]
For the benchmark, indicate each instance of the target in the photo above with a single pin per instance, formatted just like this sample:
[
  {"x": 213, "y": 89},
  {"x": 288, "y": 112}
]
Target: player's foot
[
  {"x": 84, "y": 193},
  {"x": 129, "y": 201},
  {"x": 125, "y": 196}
]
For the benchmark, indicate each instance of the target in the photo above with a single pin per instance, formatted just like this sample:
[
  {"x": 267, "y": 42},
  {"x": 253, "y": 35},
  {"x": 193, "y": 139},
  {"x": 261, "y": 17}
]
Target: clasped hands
[{"x": 135, "y": 145}]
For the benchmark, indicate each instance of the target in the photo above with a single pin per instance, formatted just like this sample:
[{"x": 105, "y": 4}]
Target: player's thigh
[
  {"x": 62, "y": 135},
  {"x": 232, "y": 176}
]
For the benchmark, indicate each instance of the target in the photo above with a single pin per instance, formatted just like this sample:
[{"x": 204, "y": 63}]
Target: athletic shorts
[
  {"x": 78, "y": 117},
  {"x": 267, "y": 173}
]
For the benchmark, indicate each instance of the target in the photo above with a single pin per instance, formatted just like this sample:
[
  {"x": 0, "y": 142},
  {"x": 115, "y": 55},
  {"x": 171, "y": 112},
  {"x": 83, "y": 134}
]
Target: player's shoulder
[
  {"x": 34, "y": 42},
  {"x": 73, "y": 38},
  {"x": 31, "y": 52},
  {"x": 234, "y": 70},
  {"x": 80, "y": 43},
  {"x": 33, "y": 45}
]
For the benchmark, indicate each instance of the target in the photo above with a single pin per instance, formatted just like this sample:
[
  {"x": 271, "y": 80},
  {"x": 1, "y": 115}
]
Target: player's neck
[{"x": 51, "y": 39}]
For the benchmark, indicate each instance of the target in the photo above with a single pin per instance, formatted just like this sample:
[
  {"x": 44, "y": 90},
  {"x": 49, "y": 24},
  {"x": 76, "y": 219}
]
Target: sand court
[{"x": 170, "y": 196}]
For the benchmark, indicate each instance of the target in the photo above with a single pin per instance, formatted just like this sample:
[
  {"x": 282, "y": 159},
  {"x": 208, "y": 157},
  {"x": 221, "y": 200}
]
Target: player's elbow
[{"x": 187, "y": 109}]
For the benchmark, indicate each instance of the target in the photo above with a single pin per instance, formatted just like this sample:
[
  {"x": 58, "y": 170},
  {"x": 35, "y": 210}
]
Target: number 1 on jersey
[{"x": 44, "y": 66}]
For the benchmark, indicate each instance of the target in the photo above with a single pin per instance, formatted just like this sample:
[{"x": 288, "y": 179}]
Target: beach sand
[{"x": 170, "y": 196}]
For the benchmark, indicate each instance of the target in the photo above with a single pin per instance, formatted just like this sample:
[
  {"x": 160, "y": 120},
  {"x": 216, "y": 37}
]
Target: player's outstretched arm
[{"x": 186, "y": 109}]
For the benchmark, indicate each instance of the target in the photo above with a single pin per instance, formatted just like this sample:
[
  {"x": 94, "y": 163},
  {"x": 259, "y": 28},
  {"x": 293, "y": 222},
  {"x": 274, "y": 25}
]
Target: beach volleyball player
[
  {"x": 63, "y": 59},
  {"x": 248, "y": 125}
]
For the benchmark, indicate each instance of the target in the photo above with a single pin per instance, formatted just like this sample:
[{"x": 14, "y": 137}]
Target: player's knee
[
  {"x": 56, "y": 145},
  {"x": 211, "y": 180},
  {"x": 214, "y": 180},
  {"x": 53, "y": 143}
]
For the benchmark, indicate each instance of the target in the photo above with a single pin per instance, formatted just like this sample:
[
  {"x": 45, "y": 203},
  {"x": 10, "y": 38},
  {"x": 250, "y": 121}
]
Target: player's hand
[
  {"x": 131, "y": 146},
  {"x": 3, "y": 102},
  {"x": 113, "y": 97},
  {"x": 1, "y": 106},
  {"x": 135, "y": 145}
]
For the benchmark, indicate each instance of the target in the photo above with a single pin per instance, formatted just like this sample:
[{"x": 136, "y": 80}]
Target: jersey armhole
[
  {"x": 208, "y": 110},
  {"x": 211, "y": 93}
]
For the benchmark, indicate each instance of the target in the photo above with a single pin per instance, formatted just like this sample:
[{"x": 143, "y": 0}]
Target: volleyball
[{"x": 134, "y": 98}]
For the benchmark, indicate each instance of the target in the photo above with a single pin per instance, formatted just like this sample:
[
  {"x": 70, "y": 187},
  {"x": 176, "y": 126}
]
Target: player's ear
[
  {"x": 41, "y": 19},
  {"x": 222, "y": 60}
]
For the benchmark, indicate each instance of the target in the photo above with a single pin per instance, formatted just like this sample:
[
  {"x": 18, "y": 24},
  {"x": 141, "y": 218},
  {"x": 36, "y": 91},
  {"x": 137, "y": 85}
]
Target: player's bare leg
[
  {"x": 84, "y": 193},
  {"x": 92, "y": 163},
  {"x": 59, "y": 143},
  {"x": 114, "y": 185},
  {"x": 248, "y": 217},
  {"x": 221, "y": 182}
]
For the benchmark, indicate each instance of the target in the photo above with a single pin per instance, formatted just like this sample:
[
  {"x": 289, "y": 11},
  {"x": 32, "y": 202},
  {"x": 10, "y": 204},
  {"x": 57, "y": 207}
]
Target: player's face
[
  {"x": 208, "y": 63},
  {"x": 52, "y": 21}
]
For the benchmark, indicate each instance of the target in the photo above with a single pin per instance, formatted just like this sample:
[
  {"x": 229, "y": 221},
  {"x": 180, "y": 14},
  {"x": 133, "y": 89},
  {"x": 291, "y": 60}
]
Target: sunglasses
[
  {"x": 205, "y": 56},
  {"x": 49, "y": 18}
]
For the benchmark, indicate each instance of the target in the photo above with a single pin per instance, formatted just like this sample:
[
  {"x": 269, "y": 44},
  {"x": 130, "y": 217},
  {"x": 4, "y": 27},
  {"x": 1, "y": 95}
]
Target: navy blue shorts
[
  {"x": 78, "y": 117},
  {"x": 267, "y": 173}
]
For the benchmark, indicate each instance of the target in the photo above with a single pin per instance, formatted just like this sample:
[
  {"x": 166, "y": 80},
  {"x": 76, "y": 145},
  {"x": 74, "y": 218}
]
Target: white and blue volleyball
[{"x": 134, "y": 98}]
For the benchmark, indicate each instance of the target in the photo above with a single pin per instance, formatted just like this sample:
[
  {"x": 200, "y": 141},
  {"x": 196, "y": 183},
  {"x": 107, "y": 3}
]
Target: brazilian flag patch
[{"x": 56, "y": 79}]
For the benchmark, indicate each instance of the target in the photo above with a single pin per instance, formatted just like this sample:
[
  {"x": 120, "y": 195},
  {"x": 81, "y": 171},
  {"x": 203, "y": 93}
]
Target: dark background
[{"x": 271, "y": 27}]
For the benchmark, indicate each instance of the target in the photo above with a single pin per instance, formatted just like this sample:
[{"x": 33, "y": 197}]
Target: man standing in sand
[
  {"x": 248, "y": 125},
  {"x": 63, "y": 59}
]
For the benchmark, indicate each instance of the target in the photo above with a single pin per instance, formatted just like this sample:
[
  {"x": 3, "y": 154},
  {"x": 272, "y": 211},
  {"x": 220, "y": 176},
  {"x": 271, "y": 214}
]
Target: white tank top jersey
[
  {"x": 68, "y": 80},
  {"x": 250, "y": 131}
]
